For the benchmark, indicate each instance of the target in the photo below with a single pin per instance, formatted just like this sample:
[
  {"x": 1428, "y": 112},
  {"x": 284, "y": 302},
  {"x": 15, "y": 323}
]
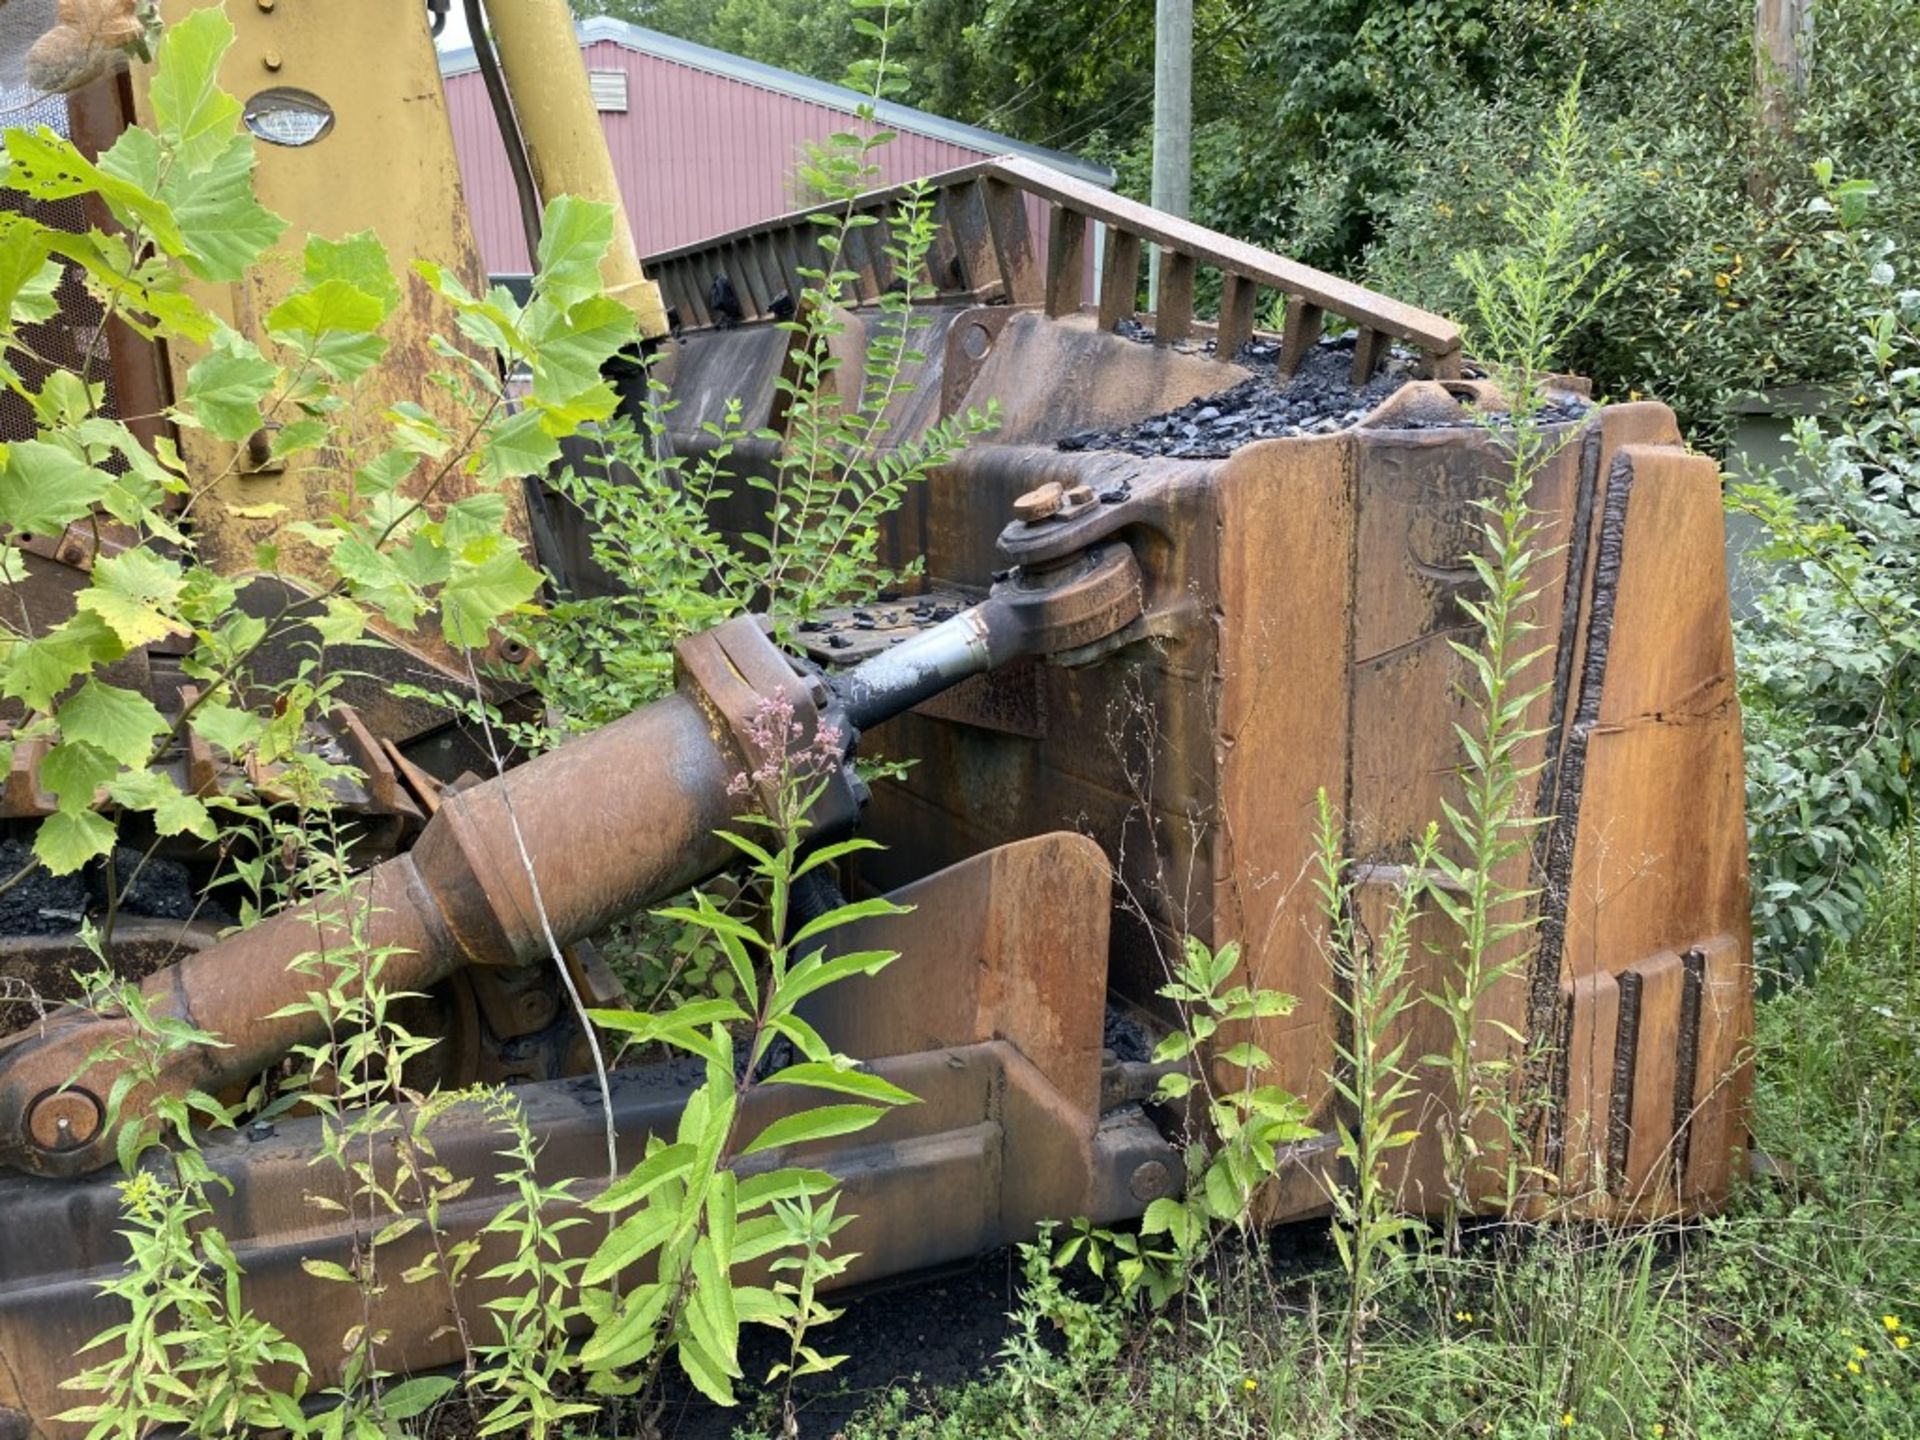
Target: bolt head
[
  {"x": 1038, "y": 504},
  {"x": 1150, "y": 1180}
]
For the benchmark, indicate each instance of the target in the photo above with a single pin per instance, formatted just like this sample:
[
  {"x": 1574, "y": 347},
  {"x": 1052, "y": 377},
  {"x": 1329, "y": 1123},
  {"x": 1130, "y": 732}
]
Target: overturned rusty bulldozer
[{"x": 1139, "y": 651}]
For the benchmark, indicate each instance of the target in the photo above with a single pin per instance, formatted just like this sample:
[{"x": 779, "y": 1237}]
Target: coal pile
[{"x": 1319, "y": 400}]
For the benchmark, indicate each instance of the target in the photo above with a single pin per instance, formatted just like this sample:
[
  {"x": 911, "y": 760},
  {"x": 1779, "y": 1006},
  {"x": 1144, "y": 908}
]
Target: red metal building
[{"x": 704, "y": 142}]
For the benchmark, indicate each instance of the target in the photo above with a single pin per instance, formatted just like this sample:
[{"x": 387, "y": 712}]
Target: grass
[{"x": 1794, "y": 1315}]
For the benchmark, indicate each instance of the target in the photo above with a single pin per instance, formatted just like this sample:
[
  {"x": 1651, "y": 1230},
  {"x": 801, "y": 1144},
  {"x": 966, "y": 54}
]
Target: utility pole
[
  {"x": 1782, "y": 38},
  {"x": 1172, "y": 114},
  {"x": 1782, "y": 49}
]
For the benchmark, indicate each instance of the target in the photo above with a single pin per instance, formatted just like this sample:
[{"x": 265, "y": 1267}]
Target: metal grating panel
[{"x": 74, "y": 331}]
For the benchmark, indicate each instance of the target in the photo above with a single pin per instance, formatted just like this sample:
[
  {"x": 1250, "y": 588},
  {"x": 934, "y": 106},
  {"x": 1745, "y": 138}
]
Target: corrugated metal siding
[{"x": 697, "y": 154}]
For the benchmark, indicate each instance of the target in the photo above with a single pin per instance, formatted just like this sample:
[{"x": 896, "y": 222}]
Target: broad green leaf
[
  {"x": 23, "y": 262},
  {"x": 574, "y": 236},
  {"x": 374, "y": 576},
  {"x": 479, "y": 592},
  {"x": 48, "y": 167},
  {"x": 629, "y": 1335},
  {"x": 341, "y": 622},
  {"x": 118, "y": 722},
  {"x": 1170, "y": 1217},
  {"x": 666, "y": 1163},
  {"x": 757, "y": 1305},
  {"x": 709, "y": 1377},
  {"x": 231, "y": 729},
  {"x": 360, "y": 260},
  {"x": 844, "y": 915},
  {"x": 34, "y": 299},
  {"x": 759, "y": 1237},
  {"x": 630, "y": 1242},
  {"x": 74, "y": 771},
  {"x": 567, "y": 348},
  {"x": 473, "y": 518},
  {"x": 38, "y": 670},
  {"x": 131, "y": 592},
  {"x": 335, "y": 322},
  {"x": 807, "y": 978},
  {"x": 414, "y": 1397},
  {"x": 820, "y": 1123},
  {"x": 1223, "y": 1201},
  {"x": 723, "y": 1216},
  {"x": 225, "y": 227},
  {"x": 518, "y": 446},
  {"x": 45, "y": 487},
  {"x": 385, "y": 472},
  {"x": 225, "y": 388},
  {"x": 714, "y": 1322},
  {"x": 644, "y": 1026},
  {"x": 174, "y": 812},
  {"x": 65, "y": 401},
  {"x": 70, "y": 838},
  {"x": 193, "y": 114},
  {"x": 784, "y": 1184},
  {"x": 297, "y": 436},
  {"x": 845, "y": 1080}
]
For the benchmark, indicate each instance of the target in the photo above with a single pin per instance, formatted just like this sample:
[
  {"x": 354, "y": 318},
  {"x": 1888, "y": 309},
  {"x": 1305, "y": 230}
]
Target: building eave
[{"x": 888, "y": 114}]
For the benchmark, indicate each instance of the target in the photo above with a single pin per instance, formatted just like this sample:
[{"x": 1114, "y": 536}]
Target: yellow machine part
[
  {"x": 388, "y": 166},
  {"x": 566, "y": 148}
]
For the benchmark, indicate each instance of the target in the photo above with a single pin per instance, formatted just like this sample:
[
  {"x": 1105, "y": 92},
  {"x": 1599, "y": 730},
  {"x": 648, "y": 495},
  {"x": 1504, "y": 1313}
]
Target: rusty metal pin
[{"x": 63, "y": 1119}]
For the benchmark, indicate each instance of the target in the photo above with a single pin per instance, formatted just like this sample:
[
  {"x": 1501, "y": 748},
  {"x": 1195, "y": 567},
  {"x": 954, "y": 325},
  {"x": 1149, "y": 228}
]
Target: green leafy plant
[
  {"x": 397, "y": 552},
  {"x": 833, "y": 469},
  {"x": 1543, "y": 284},
  {"x": 1239, "y": 1133},
  {"x": 1373, "y": 1081},
  {"x": 190, "y": 1355},
  {"x": 1827, "y": 658},
  {"x": 527, "y": 1369},
  {"x": 682, "y": 1211},
  {"x": 377, "y": 1134}
]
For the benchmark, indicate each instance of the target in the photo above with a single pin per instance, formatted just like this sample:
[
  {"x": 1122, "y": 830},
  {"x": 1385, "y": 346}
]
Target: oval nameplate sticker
[{"x": 285, "y": 116}]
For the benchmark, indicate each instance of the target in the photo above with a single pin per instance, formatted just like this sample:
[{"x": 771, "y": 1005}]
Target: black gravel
[
  {"x": 1319, "y": 400},
  {"x": 1126, "y": 1037},
  {"x": 41, "y": 904},
  {"x": 923, "y": 1335}
]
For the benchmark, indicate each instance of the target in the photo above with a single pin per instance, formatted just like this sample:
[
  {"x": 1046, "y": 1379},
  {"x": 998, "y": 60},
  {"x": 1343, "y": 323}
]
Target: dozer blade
[{"x": 992, "y": 1017}]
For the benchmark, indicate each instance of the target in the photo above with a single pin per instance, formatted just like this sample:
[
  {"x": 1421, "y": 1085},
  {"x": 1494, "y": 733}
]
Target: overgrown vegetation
[
  {"x": 1792, "y": 1315},
  {"x": 401, "y": 555},
  {"x": 1382, "y": 136},
  {"x": 1789, "y": 1315}
]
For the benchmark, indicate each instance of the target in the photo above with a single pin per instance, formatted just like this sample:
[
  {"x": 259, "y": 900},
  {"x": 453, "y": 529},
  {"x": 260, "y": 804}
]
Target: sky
[{"x": 455, "y": 36}]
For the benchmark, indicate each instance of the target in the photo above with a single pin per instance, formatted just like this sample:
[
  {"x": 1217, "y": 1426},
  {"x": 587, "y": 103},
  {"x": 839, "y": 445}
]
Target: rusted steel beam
[
  {"x": 1066, "y": 260},
  {"x": 992, "y": 1018},
  {"x": 974, "y": 208},
  {"x": 1369, "y": 349},
  {"x": 1173, "y": 314},
  {"x": 1012, "y": 244},
  {"x": 973, "y": 239},
  {"x": 1119, "y": 278},
  {"x": 1302, "y": 333},
  {"x": 559, "y": 847},
  {"x": 1239, "y": 298}
]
